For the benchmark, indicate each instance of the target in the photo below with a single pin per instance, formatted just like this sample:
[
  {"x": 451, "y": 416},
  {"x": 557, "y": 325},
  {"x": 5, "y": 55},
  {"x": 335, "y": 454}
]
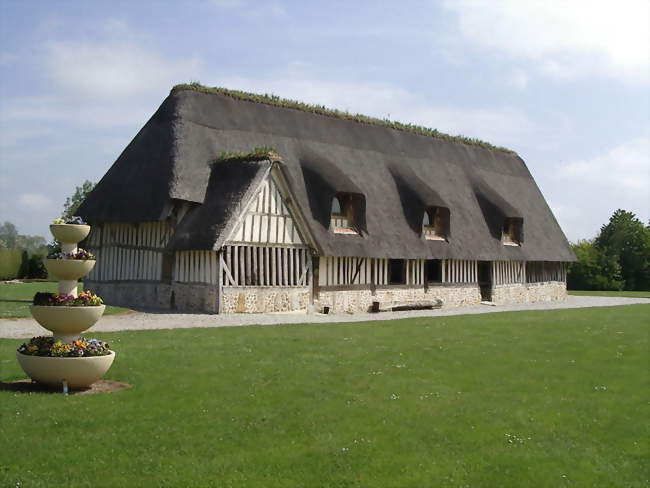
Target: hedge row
[{"x": 12, "y": 263}]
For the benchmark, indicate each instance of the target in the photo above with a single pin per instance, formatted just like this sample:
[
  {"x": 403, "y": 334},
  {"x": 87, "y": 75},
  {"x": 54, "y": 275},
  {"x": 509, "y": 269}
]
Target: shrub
[
  {"x": 627, "y": 240},
  {"x": 35, "y": 267},
  {"x": 593, "y": 270}
]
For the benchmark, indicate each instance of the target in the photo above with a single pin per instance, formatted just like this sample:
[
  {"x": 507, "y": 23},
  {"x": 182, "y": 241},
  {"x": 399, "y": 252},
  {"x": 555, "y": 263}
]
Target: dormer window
[
  {"x": 344, "y": 211},
  {"x": 435, "y": 223},
  {"x": 512, "y": 232}
]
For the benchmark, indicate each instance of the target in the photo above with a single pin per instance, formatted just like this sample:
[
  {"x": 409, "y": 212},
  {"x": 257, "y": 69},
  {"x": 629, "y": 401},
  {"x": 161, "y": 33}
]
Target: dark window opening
[
  {"x": 343, "y": 214},
  {"x": 512, "y": 231},
  {"x": 435, "y": 223},
  {"x": 167, "y": 266},
  {"x": 434, "y": 270},
  {"x": 396, "y": 272},
  {"x": 485, "y": 280}
]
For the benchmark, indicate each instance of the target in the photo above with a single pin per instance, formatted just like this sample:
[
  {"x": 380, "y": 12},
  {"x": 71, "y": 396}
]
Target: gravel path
[{"x": 25, "y": 328}]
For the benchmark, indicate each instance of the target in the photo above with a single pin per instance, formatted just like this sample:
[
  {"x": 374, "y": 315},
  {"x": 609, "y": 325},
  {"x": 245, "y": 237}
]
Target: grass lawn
[
  {"x": 518, "y": 399},
  {"x": 633, "y": 294},
  {"x": 15, "y": 298}
]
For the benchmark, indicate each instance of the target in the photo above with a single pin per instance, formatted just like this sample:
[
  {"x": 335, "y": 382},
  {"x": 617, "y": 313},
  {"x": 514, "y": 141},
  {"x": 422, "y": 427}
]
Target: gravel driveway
[{"x": 25, "y": 328}]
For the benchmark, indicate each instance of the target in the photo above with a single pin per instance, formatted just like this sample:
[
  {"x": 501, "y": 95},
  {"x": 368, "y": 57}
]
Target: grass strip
[{"x": 541, "y": 398}]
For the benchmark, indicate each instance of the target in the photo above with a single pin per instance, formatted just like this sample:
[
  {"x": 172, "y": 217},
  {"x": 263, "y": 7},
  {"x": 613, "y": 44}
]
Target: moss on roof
[
  {"x": 322, "y": 110},
  {"x": 261, "y": 153}
]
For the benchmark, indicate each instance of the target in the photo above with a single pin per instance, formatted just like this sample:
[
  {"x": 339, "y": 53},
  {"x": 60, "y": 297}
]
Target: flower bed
[
  {"x": 69, "y": 231},
  {"x": 75, "y": 220},
  {"x": 47, "y": 346},
  {"x": 80, "y": 255},
  {"x": 85, "y": 299}
]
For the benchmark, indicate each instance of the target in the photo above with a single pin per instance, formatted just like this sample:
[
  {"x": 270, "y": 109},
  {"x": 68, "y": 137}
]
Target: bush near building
[{"x": 617, "y": 259}]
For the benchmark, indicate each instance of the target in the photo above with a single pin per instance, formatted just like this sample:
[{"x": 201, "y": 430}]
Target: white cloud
[
  {"x": 500, "y": 125},
  {"x": 585, "y": 193},
  {"x": 517, "y": 79},
  {"x": 623, "y": 170},
  {"x": 505, "y": 126},
  {"x": 114, "y": 69},
  {"x": 115, "y": 82},
  {"x": 85, "y": 112},
  {"x": 564, "y": 39},
  {"x": 35, "y": 201},
  {"x": 16, "y": 137},
  {"x": 574, "y": 221}
]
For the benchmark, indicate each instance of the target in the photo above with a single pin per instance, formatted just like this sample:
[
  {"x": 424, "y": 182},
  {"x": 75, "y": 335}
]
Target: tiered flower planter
[{"x": 67, "y": 322}]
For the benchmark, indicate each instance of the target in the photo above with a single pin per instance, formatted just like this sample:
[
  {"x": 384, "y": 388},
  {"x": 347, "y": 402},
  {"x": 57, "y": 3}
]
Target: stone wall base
[
  {"x": 203, "y": 298},
  {"x": 183, "y": 297},
  {"x": 530, "y": 293},
  {"x": 360, "y": 300},
  {"x": 257, "y": 299}
]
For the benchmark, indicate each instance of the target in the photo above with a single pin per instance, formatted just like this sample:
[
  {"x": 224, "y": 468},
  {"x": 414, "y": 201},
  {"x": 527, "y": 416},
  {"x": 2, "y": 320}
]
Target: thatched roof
[
  {"x": 397, "y": 171},
  {"x": 232, "y": 183}
]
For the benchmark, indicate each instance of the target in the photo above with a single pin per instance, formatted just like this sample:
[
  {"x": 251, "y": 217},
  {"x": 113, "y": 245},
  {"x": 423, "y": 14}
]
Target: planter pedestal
[
  {"x": 69, "y": 269},
  {"x": 76, "y": 372},
  {"x": 67, "y": 322}
]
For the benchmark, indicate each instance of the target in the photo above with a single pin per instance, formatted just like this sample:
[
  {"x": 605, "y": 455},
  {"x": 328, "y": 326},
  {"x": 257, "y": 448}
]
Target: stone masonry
[
  {"x": 253, "y": 299},
  {"x": 529, "y": 293},
  {"x": 360, "y": 300},
  {"x": 197, "y": 298},
  {"x": 202, "y": 298}
]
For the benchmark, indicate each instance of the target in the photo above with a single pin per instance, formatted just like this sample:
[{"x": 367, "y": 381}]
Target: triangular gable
[{"x": 268, "y": 218}]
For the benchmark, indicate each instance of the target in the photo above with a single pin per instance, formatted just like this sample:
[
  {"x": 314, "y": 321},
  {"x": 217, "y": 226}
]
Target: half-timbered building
[{"x": 344, "y": 213}]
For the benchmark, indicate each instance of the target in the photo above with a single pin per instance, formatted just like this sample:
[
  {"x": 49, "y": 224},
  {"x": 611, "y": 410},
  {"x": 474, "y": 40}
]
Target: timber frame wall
[
  {"x": 136, "y": 252},
  {"x": 523, "y": 272},
  {"x": 196, "y": 267},
  {"x": 265, "y": 266},
  {"x": 128, "y": 252},
  {"x": 267, "y": 249},
  {"x": 350, "y": 271}
]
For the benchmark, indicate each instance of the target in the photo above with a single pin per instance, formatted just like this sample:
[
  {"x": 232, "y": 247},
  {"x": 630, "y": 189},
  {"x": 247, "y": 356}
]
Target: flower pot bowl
[
  {"x": 66, "y": 321},
  {"x": 69, "y": 233},
  {"x": 77, "y": 372},
  {"x": 69, "y": 269}
]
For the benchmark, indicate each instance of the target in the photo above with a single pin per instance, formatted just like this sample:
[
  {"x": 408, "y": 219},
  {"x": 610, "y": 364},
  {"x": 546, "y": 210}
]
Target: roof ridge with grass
[
  {"x": 259, "y": 153},
  {"x": 330, "y": 112}
]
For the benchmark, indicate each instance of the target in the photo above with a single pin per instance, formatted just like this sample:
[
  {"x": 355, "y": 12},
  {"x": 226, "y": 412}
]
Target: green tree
[
  {"x": 593, "y": 270},
  {"x": 627, "y": 240},
  {"x": 72, "y": 203},
  {"x": 11, "y": 239},
  {"x": 32, "y": 244},
  {"x": 8, "y": 235},
  {"x": 34, "y": 249}
]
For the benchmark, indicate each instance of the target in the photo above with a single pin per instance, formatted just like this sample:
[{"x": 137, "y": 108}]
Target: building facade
[{"x": 343, "y": 214}]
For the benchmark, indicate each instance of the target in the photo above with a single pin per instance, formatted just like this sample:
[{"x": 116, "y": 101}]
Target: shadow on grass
[{"x": 29, "y": 387}]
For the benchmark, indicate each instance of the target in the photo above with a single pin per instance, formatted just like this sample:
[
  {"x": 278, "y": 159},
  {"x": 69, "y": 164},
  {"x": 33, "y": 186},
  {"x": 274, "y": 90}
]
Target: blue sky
[{"x": 565, "y": 84}]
